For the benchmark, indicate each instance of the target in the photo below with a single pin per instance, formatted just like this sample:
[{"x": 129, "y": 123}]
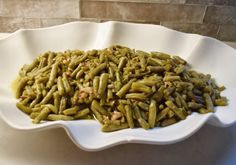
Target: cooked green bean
[
  {"x": 103, "y": 84},
  {"x": 124, "y": 89},
  {"x": 162, "y": 114},
  {"x": 221, "y": 102},
  {"x": 99, "y": 108},
  {"x": 21, "y": 86},
  {"x": 122, "y": 63},
  {"x": 23, "y": 108},
  {"x": 42, "y": 115},
  {"x": 95, "y": 85},
  {"x": 129, "y": 116},
  {"x": 60, "y": 86},
  {"x": 82, "y": 113},
  {"x": 179, "y": 113},
  {"x": 96, "y": 70},
  {"x": 114, "y": 127},
  {"x": 62, "y": 106},
  {"x": 143, "y": 123},
  {"x": 168, "y": 122},
  {"x": 66, "y": 83},
  {"x": 71, "y": 111},
  {"x": 55, "y": 117},
  {"x": 143, "y": 106},
  {"x": 53, "y": 75},
  {"x": 49, "y": 95},
  {"x": 136, "y": 96},
  {"x": 209, "y": 103},
  {"x": 152, "y": 113},
  {"x": 139, "y": 87},
  {"x": 118, "y": 86}
]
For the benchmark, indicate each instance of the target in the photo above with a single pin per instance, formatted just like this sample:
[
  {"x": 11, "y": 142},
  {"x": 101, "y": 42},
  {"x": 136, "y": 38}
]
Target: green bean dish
[{"x": 118, "y": 86}]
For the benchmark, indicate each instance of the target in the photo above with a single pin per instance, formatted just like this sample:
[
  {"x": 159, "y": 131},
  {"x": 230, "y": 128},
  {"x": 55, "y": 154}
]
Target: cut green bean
[
  {"x": 55, "y": 117},
  {"x": 71, "y": 111},
  {"x": 23, "y": 108},
  {"x": 152, "y": 113},
  {"x": 42, "y": 115},
  {"x": 129, "y": 116},
  {"x": 82, "y": 113},
  {"x": 103, "y": 84}
]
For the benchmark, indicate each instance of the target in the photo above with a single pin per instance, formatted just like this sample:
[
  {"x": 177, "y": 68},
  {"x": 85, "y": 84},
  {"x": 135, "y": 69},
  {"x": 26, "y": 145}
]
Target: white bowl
[{"x": 205, "y": 54}]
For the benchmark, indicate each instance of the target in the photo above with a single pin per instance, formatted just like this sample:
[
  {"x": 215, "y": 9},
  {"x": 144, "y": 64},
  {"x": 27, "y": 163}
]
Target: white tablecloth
[{"x": 209, "y": 146}]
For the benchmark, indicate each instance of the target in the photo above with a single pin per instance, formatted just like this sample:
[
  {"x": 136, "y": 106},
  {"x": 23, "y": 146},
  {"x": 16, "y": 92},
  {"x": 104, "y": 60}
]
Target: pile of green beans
[{"x": 118, "y": 86}]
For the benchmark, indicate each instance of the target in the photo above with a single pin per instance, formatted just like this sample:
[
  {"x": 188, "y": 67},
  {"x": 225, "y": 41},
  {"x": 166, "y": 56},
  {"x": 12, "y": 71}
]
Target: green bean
[
  {"x": 36, "y": 100},
  {"x": 62, "y": 106},
  {"x": 203, "y": 110},
  {"x": 162, "y": 114},
  {"x": 109, "y": 95},
  {"x": 136, "y": 96},
  {"x": 20, "y": 87},
  {"x": 160, "y": 55},
  {"x": 171, "y": 78},
  {"x": 23, "y": 108},
  {"x": 147, "y": 82},
  {"x": 168, "y": 122},
  {"x": 179, "y": 69},
  {"x": 129, "y": 116},
  {"x": 113, "y": 59},
  {"x": 152, "y": 113},
  {"x": 97, "y": 70},
  {"x": 99, "y": 108},
  {"x": 30, "y": 67},
  {"x": 66, "y": 83},
  {"x": 114, "y": 127},
  {"x": 74, "y": 73},
  {"x": 139, "y": 87},
  {"x": 221, "y": 102},
  {"x": 209, "y": 103},
  {"x": 156, "y": 69},
  {"x": 143, "y": 106},
  {"x": 103, "y": 84},
  {"x": 155, "y": 61},
  {"x": 159, "y": 94},
  {"x": 50, "y": 58},
  {"x": 96, "y": 113},
  {"x": 122, "y": 63},
  {"x": 33, "y": 115},
  {"x": 53, "y": 75},
  {"x": 179, "y": 60},
  {"x": 56, "y": 98},
  {"x": 95, "y": 84},
  {"x": 178, "y": 112},
  {"x": 194, "y": 105},
  {"x": 121, "y": 108},
  {"x": 143, "y": 123},
  {"x": 52, "y": 108},
  {"x": 60, "y": 86},
  {"x": 71, "y": 111},
  {"x": 26, "y": 100},
  {"x": 42, "y": 63},
  {"x": 55, "y": 117},
  {"x": 121, "y": 93},
  {"x": 79, "y": 74},
  {"x": 42, "y": 115},
  {"x": 82, "y": 113},
  {"x": 49, "y": 95}
]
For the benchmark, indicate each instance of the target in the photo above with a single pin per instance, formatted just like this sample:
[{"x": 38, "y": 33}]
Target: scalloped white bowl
[{"x": 205, "y": 54}]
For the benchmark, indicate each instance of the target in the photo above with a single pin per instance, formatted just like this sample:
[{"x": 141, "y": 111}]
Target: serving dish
[{"x": 205, "y": 55}]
